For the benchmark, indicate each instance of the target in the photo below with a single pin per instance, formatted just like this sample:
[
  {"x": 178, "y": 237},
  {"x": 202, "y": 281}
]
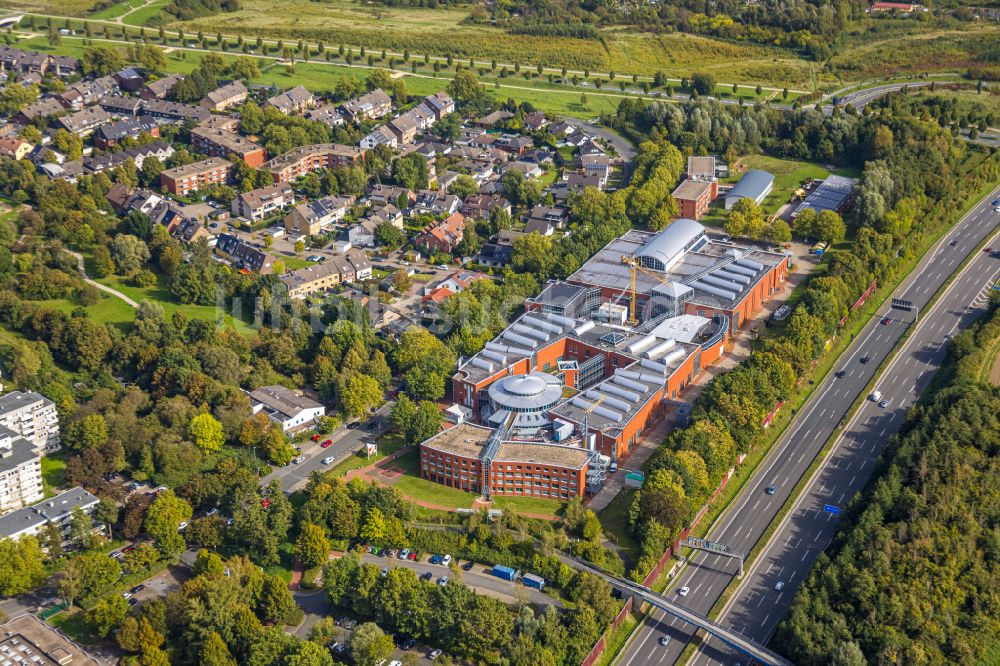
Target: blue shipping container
[
  {"x": 500, "y": 571},
  {"x": 531, "y": 580}
]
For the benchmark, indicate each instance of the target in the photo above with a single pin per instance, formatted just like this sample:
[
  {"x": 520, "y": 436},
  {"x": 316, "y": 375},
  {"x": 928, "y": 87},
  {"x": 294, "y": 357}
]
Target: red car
[
  {"x": 987, "y": 250},
  {"x": 315, "y": 438},
  {"x": 326, "y": 443},
  {"x": 885, "y": 321}
]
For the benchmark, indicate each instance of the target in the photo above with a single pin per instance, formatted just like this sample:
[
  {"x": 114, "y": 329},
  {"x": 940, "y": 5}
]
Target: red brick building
[
  {"x": 185, "y": 179},
  {"x": 220, "y": 143},
  {"x": 694, "y": 196},
  {"x": 441, "y": 236},
  {"x": 300, "y": 161}
]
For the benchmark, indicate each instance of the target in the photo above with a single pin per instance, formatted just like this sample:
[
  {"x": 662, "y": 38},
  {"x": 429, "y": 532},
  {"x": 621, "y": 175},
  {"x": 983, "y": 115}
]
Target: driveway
[{"x": 621, "y": 145}]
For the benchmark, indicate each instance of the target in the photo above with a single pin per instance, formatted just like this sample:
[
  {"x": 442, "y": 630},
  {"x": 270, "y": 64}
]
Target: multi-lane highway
[{"x": 741, "y": 527}]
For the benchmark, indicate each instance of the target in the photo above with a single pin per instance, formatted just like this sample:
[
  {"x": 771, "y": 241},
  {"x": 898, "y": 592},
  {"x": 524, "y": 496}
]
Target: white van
[{"x": 875, "y": 396}]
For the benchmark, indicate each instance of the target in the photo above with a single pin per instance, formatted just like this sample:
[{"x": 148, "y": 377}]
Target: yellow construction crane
[
  {"x": 633, "y": 263},
  {"x": 586, "y": 419}
]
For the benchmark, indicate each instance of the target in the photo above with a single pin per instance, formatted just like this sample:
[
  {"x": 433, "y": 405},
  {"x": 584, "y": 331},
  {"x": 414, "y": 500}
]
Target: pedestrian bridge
[{"x": 735, "y": 640}]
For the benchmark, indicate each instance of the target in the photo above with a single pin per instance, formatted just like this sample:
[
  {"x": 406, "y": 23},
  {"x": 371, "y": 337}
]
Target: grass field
[
  {"x": 53, "y": 473},
  {"x": 968, "y": 99},
  {"x": 74, "y": 624},
  {"x": 615, "y": 522},
  {"x": 145, "y": 15},
  {"x": 116, "y": 10}
]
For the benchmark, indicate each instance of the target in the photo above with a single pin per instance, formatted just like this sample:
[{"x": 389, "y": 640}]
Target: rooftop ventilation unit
[
  {"x": 519, "y": 339},
  {"x": 709, "y": 289},
  {"x": 614, "y": 389},
  {"x": 583, "y": 328},
  {"x": 565, "y": 322},
  {"x": 606, "y": 413},
  {"x": 735, "y": 277},
  {"x": 641, "y": 376},
  {"x": 660, "y": 348},
  {"x": 749, "y": 263},
  {"x": 719, "y": 282},
  {"x": 742, "y": 270},
  {"x": 673, "y": 356},
  {"x": 622, "y": 380},
  {"x": 504, "y": 349},
  {"x": 641, "y": 343},
  {"x": 654, "y": 366},
  {"x": 494, "y": 356},
  {"x": 530, "y": 332},
  {"x": 480, "y": 363},
  {"x": 608, "y": 400},
  {"x": 542, "y": 325}
]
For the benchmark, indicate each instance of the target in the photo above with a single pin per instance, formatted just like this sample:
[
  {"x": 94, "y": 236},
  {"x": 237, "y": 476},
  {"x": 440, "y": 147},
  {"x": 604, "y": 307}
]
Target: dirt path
[{"x": 94, "y": 283}]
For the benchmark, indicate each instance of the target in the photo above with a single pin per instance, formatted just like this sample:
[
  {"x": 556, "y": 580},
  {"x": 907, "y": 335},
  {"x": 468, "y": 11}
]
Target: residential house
[
  {"x": 310, "y": 219},
  {"x": 441, "y": 104},
  {"x": 535, "y": 120},
  {"x": 462, "y": 280},
  {"x": 404, "y": 128},
  {"x": 125, "y": 107},
  {"x": 220, "y": 99},
  {"x": 386, "y": 194},
  {"x": 387, "y": 214},
  {"x": 493, "y": 119},
  {"x": 187, "y": 231},
  {"x": 499, "y": 251},
  {"x": 362, "y": 234},
  {"x": 243, "y": 255},
  {"x": 481, "y": 206},
  {"x": 32, "y": 62},
  {"x": 296, "y": 100},
  {"x": 291, "y": 410},
  {"x": 354, "y": 266},
  {"x": 220, "y": 143},
  {"x": 43, "y": 108},
  {"x": 327, "y": 114},
  {"x": 435, "y": 203},
  {"x": 110, "y": 135},
  {"x": 174, "y": 111},
  {"x": 597, "y": 165},
  {"x": 83, "y": 123},
  {"x": 515, "y": 144},
  {"x": 130, "y": 79},
  {"x": 442, "y": 235},
  {"x": 65, "y": 66},
  {"x": 527, "y": 169},
  {"x": 370, "y": 106},
  {"x": 14, "y": 148},
  {"x": 380, "y": 136},
  {"x": 263, "y": 202},
  {"x": 185, "y": 179},
  {"x": 160, "y": 88},
  {"x": 423, "y": 116},
  {"x": 89, "y": 91},
  {"x": 300, "y": 161},
  {"x": 545, "y": 220}
]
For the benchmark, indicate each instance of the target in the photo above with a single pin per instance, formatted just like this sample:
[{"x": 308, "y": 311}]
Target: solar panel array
[{"x": 829, "y": 195}]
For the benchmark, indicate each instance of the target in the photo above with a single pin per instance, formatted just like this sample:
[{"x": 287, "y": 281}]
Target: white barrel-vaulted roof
[{"x": 665, "y": 248}]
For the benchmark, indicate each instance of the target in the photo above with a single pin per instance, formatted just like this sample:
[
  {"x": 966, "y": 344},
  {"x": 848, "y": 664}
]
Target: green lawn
[
  {"x": 74, "y": 624},
  {"x": 294, "y": 263},
  {"x": 286, "y": 551},
  {"x": 116, "y": 10},
  {"x": 387, "y": 444},
  {"x": 146, "y": 14},
  {"x": 53, "y": 473},
  {"x": 546, "y": 507},
  {"x": 615, "y": 521}
]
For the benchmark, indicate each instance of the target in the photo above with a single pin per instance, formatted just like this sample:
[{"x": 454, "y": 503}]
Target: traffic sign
[
  {"x": 829, "y": 508},
  {"x": 901, "y": 304}
]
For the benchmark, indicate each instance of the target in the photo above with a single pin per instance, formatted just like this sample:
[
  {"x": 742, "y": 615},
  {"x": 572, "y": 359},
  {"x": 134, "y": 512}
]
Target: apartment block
[
  {"x": 300, "y": 161},
  {"x": 33, "y": 417},
  {"x": 20, "y": 472},
  {"x": 220, "y": 143},
  {"x": 185, "y": 179}
]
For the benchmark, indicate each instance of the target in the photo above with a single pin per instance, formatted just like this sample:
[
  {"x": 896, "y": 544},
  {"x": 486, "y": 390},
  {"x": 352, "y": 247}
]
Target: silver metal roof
[
  {"x": 666, "y": 247},
  {"x": 752, "y": 185}
]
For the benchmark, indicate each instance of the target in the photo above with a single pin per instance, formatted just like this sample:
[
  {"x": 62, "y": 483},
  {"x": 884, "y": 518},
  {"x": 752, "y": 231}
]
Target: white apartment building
[
  {"x": 58, "y": 511},
  {"x": 33, "y": 417},
  {"x": 20, "y": 472}
]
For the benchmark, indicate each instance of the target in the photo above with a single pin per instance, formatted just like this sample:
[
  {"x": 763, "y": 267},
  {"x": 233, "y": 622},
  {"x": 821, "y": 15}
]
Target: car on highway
[
  {"x": 298, "y": 460},
  {"x": 864, "y": 359},
  {"x": 684, "y": 591},
  {"x": 442, "y": 581},
  {"x": 327, "y": 460},
  {"x": 840, "y": 374},
  {"x": 779, "y": 586},
  {"x": 434, "y": 654},
  {"x": 664, "y": 641},
  {"x": 884, "y": 403},
  {"x": 997, "y": 209},
  {"x": 885, "y": 321},
  {"x": 875, "y": 396},
  {"x": 995, "y": 202},
  {"x": 771, "y": 490},
  {"x": 953, "y": 243},
  {"x": 326, "y": 443},
  {"x": 987, "y": 250}
]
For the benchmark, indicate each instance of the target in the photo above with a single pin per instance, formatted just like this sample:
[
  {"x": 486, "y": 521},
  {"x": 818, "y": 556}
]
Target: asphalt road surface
[
  {"x": 345, "y": 443},
  {"x": 744, "y": 523}
]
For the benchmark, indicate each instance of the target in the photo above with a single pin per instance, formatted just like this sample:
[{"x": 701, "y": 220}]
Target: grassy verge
[
  {"x": 615, "y": 523},
  {"x": 617, "y": 639},
  {"x": 74, "y": 624}
]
